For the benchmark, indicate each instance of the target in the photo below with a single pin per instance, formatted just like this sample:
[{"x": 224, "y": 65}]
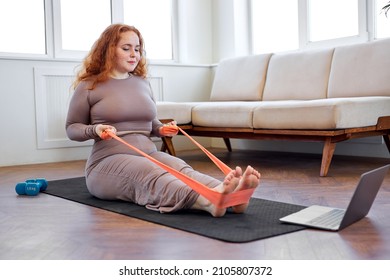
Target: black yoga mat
[{"x": 261, "y": 220}]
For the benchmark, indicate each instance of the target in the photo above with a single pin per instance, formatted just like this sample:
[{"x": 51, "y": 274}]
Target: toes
[{"x": 238, "y": 172}]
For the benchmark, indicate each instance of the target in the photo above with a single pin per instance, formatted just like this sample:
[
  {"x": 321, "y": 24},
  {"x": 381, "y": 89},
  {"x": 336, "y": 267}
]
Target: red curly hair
[{"x": 99, "y": 63}]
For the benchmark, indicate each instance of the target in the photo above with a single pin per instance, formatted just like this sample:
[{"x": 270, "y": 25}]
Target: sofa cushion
[
  {"x": 331, "y": 113},
  {"x": 178, "y": 111},
  {"x": 361, "y": 70},
  {"x": 224, "y": 114},
  {"x": 299, "y": 75},
  {"x": 240, "y": 79}
]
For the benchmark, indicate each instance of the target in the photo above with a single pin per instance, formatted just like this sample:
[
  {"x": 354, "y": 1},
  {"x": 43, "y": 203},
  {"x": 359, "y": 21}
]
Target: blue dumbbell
[{"x": 31, "y": 187}]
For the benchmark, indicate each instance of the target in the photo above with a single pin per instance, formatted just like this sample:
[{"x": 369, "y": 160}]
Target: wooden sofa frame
[{"x": 329, "y": 137}]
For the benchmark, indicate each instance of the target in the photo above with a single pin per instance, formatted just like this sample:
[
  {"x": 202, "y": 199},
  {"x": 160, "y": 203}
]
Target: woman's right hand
[{"x": 100, "y": 128}]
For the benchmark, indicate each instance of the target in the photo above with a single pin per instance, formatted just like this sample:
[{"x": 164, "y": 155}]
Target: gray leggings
[{"x": 136, "y": 179}]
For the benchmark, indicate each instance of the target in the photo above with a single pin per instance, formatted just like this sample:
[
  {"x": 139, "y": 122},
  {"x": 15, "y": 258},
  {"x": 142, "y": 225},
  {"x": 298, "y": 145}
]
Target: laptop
[{"x": 336, "y": 219}]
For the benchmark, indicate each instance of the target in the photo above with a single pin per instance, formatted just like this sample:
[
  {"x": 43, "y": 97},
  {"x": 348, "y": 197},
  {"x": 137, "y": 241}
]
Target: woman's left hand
[{"x": 169, "y": 129}]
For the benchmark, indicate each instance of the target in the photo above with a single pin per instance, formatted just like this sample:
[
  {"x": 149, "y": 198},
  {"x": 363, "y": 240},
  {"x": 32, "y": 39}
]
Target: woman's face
[{"x": 127, "y": 54}]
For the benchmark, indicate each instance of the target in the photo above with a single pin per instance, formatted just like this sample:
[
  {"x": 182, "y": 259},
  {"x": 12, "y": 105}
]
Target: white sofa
[{"x": 328, "y": 95}]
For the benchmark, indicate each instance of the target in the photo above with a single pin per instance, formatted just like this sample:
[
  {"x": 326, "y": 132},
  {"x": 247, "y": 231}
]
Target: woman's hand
[
  {"x": 169, "y": 129},
  {"x": 101, "y": 128}
]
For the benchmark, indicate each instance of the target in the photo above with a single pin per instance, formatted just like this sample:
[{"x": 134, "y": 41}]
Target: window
[
  {"x": 22, "y": 27},
  {"x": 283, "y": 25},
  {"x": 382, "y": 22},
  {"x": 67, "y": 29},
  {"x": 332, "y": 19},
  {"x": 78, "y": 28},
  {"x": 274, "y": 25},
  {"x": 153, "y": 18},
  {"x": 82, "y": 21}
]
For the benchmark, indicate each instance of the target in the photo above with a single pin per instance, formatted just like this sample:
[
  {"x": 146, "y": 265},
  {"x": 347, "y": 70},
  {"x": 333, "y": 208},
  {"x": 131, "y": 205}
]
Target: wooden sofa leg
[
  {"x": 227, "y": 143},
  {"x": 387, "y": 141},
  {"x": 167, "y": 145},
  {"x": 327, "y": 154}
]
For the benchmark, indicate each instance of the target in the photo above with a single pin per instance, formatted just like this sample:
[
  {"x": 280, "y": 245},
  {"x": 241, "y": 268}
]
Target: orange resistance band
[
  {"x": 218, "y": 199},
  {"x": 172, "y": 129},
  {"x": 222, "y": 166}
]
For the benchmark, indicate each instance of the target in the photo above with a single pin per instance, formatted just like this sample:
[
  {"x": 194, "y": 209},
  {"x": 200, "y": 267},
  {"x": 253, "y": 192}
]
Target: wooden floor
[{"x": 47, "y": 227}]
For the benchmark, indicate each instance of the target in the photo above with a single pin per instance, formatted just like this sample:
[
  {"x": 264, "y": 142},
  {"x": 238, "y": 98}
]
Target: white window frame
[
  {"x": 371, "y": 20},
  {"x": 59, "y": 52},
  {"x": 304, "y": 41},
  {"x": 365, "y": 27},
  {"x": 116, "y": 17},
  {"x": 119, "y": 17},
  {"x": 53, "y": 35},
  {"x": 48, "y": 39}
]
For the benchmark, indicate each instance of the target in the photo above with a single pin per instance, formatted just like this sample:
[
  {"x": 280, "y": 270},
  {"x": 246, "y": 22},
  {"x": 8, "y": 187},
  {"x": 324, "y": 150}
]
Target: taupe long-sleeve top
[{"x": 125, "y": 104}]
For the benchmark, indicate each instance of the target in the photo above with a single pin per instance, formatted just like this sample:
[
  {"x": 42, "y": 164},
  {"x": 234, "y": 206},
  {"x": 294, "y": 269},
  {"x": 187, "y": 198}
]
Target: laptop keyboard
[{"x": 329, "y": 219}]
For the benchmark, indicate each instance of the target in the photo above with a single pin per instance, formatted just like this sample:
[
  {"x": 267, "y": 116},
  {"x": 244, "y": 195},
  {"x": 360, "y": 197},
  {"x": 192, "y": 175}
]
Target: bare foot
[
  {"x": 229, "y": 184},
  {"x": 250, "y": 179}
]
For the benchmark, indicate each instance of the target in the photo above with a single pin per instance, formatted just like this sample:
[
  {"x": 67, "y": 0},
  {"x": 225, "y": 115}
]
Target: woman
[{"x": 112, "y": 93}]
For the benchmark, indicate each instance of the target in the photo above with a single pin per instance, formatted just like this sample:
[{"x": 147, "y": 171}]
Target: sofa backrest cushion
[
  {"x": 361, "y": 70},
  {"x": 300, "y": 75},
  {"x": 240, "y": 78}
]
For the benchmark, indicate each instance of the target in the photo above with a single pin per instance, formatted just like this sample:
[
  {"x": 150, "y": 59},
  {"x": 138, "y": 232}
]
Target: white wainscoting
[{"x": 53, "y": 90}]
